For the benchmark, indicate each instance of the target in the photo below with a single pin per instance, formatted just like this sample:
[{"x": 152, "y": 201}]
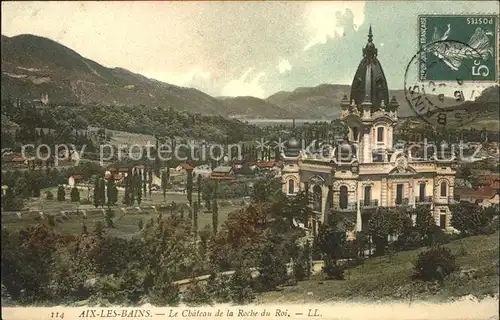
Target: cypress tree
[
  {"x": 215, "y": 216},
  {"x": 102, "y": 192},
  {"x": 96, "y": 192},
  {"x": 150, "y": 180},
  {"x": 196, "y": 208},
  {"x": 164, "y": 185},
  {"x": 111, "y": 191},
  {"x": 75, "y": 194},
  {"x": 61, "y": 194},
  {"x": 198, "y": 182},
  {"x": 139, "y": 189},
  {"x": 189, "y": 186}
]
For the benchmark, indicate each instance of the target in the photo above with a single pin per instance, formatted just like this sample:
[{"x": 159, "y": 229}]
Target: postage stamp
[{"x": 471, "y": 56}]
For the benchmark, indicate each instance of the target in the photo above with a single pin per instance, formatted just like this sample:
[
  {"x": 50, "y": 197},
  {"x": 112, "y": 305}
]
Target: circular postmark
[{"x": 441, "y": 103}]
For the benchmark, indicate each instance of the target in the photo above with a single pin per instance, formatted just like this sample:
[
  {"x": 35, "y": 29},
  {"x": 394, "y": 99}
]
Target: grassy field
[
  {"x": 390, "y": 278},
  {"x": 126, "y": 224}
]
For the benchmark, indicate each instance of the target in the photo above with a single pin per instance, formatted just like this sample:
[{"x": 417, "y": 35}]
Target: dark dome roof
[
  {"x": 369, "y": 81},
  {"x": 292, "y": 147}
]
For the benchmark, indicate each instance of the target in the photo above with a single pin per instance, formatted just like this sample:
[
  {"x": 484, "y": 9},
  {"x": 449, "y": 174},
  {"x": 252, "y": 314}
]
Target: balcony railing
[
  {"x": 426, "y": 199},
  {"x": 402, "y": 202},
  {"x": 369, "y": 203},
  {"x": 350, "y": 207},
  {"x": 444, "y": 200}
]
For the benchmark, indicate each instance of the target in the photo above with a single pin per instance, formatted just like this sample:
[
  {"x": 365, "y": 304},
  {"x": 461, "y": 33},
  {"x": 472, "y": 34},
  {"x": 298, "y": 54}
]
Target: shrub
[
  {"x": 470, "y": 219},
  {"x": 219, "y": 288},
  {"x": 164, "y": 293},
  {"x": 49, "y": 195},
  {"x": 197, "y": 294},
  {"x": 75, "y": 194},
  {"x": 435, "y": 264},
  {"x": 333, "y": 270},
  {"x": 241, "y": 287}
]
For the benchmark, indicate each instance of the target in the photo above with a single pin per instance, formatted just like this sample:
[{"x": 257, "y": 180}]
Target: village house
[
  {"x": 183, "y": 167},
  {"x": 203, "y": 170},
  {"x": 223, "y": 173},
  {"x": 485, "y": 196}
]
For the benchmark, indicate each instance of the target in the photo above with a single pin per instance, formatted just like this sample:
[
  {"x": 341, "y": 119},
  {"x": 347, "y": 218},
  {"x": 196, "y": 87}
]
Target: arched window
[
  {"x": 444, "y": 189},
  {"x": 380, "y": 134},
  {"x": 355, "y": 133},
  {"x": 343, "y": 197},
  {"x": 318, "y": 197},
  {"x": 368, "y": 195},
  {"x": 291, "y": 186}
]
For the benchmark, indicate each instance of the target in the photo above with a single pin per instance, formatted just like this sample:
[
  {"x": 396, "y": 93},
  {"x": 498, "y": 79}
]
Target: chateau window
[
  {"x": 444, "y": 189},
  {"x": 343, "y": 197},
  {"x": 380, "y": 134},
  {"x": 442, "y": 219},
  {"x": 317, "y": 194},
  {"x": 368, "y": 194},
  {"x": 291, "y": 186},
  {"x": 355, "y": 133},
  {"x": 399, "y": 194},
  {"x": 421, "y": 193}
]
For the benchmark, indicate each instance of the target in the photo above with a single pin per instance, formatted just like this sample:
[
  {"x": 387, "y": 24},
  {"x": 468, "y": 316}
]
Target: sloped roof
[
  {"x": 222, "y": 169},
  {"x": 480, "y": 193}
]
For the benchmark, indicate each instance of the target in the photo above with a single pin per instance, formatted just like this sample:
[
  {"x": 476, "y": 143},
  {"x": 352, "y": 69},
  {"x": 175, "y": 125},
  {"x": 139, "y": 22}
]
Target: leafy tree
[
  {"x": 219, "y": 287},
  {"x": 49, "y": 195},
  {"x": 240, "y": 287},
  {"x": 75, "y": 194},
  {"x": 435, "y": 264},
  {"x": 469, "y": 219},
  {"x": 11, "y": 202},
  {"x": 61, "y": 194},
  {"x": 273, "y": 264},
  {"x": 197, "y": 294},
  {"x": 302, "y": 268}
]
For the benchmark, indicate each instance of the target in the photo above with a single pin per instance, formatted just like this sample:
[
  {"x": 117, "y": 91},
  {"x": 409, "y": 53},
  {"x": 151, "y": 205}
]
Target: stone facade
[{"x": 368, "y": 170}]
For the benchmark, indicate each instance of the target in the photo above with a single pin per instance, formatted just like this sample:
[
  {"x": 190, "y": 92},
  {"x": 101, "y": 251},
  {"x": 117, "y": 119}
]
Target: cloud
[
  {"x": 284, "y": 66},
  {"x": 242, "y": 87},
  {"x": 330, "y": 20}
]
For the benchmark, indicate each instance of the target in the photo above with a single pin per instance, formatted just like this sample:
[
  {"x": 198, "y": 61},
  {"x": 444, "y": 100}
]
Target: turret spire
[{"x": 369, "y": 51}]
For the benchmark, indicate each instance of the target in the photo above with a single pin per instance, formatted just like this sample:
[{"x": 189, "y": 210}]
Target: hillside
[
  {"x": 34, "y": 65},
  {"x": 254, "y": 107},
  {"x": 389, "y": 278},
  {"x": 323, "y": 101}
]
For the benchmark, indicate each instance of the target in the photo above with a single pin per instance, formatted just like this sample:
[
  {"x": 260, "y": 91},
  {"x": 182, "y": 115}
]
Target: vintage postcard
[{"x": 250, "y": 160}]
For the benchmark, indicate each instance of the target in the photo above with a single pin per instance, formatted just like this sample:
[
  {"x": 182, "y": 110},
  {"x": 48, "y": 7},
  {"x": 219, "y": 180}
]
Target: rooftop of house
[
  {"x": 266, "y": 164},
  {"x": 478, "y": 194},
  {"x": 222, "y": 169},
  {"x": 185, "y": 166}
]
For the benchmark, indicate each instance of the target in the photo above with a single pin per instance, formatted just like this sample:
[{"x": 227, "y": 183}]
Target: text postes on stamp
[{"x": 449, "y": 39}]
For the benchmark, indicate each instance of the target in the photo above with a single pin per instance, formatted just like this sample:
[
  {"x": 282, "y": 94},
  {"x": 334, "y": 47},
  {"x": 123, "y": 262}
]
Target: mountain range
[{"x": 33, "y": 66}]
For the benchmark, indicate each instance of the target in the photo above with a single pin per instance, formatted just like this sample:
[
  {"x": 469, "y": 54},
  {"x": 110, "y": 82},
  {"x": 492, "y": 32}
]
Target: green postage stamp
[{"x": 458, "y": 47}]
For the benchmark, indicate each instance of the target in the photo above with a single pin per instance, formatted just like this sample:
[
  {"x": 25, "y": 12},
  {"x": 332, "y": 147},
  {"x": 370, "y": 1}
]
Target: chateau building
[{"x": 368, "y": 170}]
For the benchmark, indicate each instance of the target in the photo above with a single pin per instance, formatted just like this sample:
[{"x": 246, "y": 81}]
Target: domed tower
[
  {"x": 369, "y": 83},
  {"x": 290, "y": 171},
  {"x": 369, "y": 113}
]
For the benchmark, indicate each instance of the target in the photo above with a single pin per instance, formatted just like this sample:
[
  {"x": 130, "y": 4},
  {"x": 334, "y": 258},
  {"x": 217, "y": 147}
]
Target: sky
[{"x": 235, "y": 48}]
